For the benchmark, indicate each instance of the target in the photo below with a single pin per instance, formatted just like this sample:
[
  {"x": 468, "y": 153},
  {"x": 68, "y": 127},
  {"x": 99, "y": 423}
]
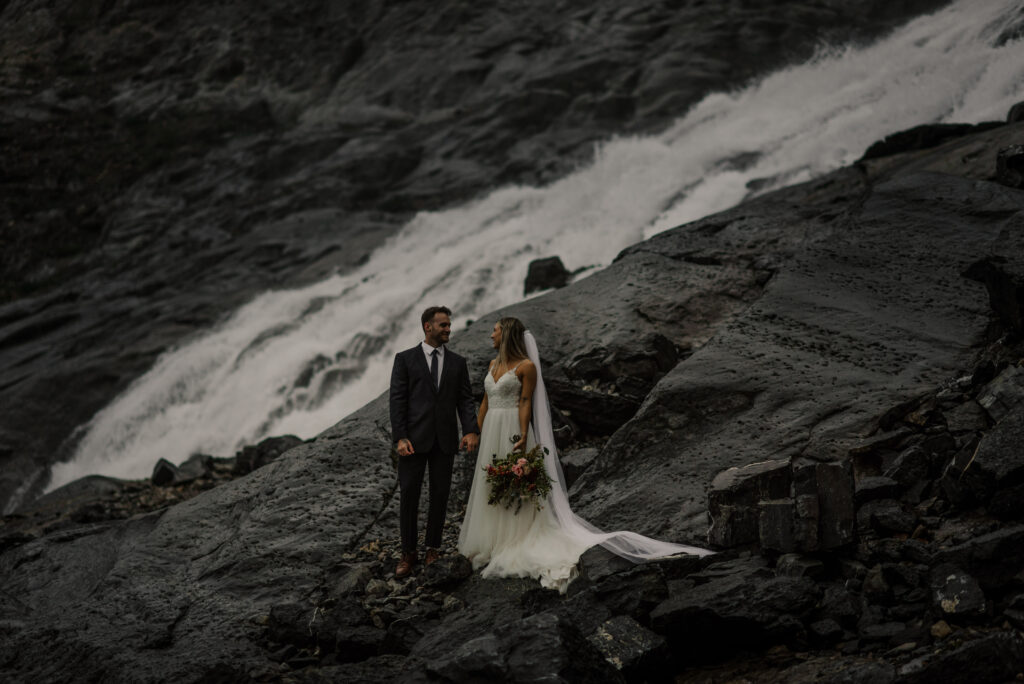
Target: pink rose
[
  {"x": 518, "y": 470},
  {"x": 521, "y": 462}
]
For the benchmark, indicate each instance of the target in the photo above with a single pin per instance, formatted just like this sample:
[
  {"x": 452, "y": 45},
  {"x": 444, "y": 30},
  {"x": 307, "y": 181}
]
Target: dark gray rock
[
  {"x": 1010, "y": 166},
  {"x": 826, "y": 632},
  {"x": 1016, "y": 113},
  {"x": 956, "y": 594},
  {"x": 875, "y": 487},
  {"x": 838, "y": 603},
  {"x": 164, "y": 473},
  {"x": 538, "y": 647},
  {"x": 734, "y": 498},
  {"x": 634, "y": 592},
  {"x": 447, "y": 572},
  {"x": 1004, "y": 394},
  {"x": 991, "y": 658},
  {"x": 638, "y": 653},
  {"x": 739, "y": 606},
  {"x": 998, "y": 461},
  {"x": 256, "y": 456},
  {"x": 886, "y": 632},
  {"x": 923, "y": 137},
  {"x": 994, "y": 559},
  {"x": 405, "y": 632},
  {"x": 966, "y": 417},
  {"x": 575, "y": 462},
  {"x": 195, "y": 467},
  {"x": 1014, "y": 611},
  {"x": 796, "y": 565},
  {"x": 910, "y": 467},
  {"x": 544, "y": 274},
  {"x": 886, "y": 515},
  {"x": 715, "y": 405},
  {"x": 352, "y": 581}
]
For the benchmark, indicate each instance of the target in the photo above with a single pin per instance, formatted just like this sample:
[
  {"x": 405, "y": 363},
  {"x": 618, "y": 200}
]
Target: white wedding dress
[
  {"x": 544, "y": 544},
  {"x": 529, "y": 543}
]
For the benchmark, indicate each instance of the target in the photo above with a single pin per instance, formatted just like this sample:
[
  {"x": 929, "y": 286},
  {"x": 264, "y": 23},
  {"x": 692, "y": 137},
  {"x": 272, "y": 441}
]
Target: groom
[{"x": 429, "y": 387}]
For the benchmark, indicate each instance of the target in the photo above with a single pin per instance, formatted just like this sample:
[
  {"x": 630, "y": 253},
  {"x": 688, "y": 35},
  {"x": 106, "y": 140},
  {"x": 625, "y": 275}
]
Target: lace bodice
[{"x": 503, "y": 394}]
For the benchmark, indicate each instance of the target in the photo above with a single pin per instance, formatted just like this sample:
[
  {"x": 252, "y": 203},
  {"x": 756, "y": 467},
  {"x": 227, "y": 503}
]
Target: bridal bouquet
[{"x": 519, "y": 477}]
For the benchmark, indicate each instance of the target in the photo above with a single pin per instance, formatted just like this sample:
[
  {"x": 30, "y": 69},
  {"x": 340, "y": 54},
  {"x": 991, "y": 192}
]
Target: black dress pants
[{"x": 410, "y": 483}]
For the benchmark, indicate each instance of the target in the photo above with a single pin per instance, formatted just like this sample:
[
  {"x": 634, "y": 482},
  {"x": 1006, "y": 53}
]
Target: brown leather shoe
[
  {"x": 405, "y": 565},
  {"x": 432, "y": 555}
]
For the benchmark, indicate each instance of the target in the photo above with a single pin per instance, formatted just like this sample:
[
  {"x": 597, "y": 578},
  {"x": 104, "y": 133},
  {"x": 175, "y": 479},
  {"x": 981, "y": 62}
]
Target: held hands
[
  {"x": 470, "y": 442},
  {"x": 405, "y": 448}
]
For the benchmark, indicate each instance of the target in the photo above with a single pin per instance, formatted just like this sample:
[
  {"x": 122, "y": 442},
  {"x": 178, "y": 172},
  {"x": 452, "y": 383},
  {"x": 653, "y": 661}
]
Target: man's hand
[
  {"x": 405, "y": 448},
  {"x": 470, "y": 442}
]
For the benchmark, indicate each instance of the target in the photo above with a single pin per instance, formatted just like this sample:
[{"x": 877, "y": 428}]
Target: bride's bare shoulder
[{"x": 525, "y": 366}]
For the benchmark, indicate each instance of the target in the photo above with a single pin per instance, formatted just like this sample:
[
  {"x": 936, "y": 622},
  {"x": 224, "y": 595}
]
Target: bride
[{"x": 544, "y": 543}]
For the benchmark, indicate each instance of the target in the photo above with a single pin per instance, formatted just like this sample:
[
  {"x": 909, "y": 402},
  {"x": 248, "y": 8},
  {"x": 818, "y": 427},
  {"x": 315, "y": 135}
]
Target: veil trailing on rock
[{"x": 631, "y": 545}]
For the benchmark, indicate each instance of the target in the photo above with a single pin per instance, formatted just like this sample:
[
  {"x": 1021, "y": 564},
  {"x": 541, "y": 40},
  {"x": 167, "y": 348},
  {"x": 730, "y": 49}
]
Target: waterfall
[{"x": 296, "y": 361}]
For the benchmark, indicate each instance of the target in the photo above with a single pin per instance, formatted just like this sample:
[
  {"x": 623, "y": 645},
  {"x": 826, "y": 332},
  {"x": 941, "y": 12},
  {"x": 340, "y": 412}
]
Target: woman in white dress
[{"x": 544, "y": 543}]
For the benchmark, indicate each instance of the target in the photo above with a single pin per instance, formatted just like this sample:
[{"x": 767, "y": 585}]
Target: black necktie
[{"x": 433, "y": 367}]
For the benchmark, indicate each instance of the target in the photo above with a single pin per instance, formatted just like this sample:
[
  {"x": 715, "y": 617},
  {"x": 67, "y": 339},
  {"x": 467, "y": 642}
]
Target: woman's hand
[{"x": 520, "y": 445}]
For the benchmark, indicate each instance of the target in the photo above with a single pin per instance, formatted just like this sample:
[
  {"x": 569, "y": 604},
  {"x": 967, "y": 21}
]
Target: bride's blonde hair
[{"x": 513, "y": 340}]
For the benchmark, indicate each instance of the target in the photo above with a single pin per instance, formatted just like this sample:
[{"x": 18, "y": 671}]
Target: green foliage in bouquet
[{"x": 519, "y": 477}]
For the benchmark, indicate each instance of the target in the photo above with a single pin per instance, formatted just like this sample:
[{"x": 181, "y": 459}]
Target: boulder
[
  {"x": 249, "y": 458},
  {"x": 545, "y": 274},
  {"x": 1010, "y": 166},
  {"x": 193, "y": 468},
  {"x": 998, "y": 462},
  {"x": 447, "y": 572},
  {"x": 956, "y": 594},
  {"x": 164, "y": 473},
  {"x": 910, "y": 467},
  {"x": 352, "y": 581},
  {"x": 632, "y": 649},
  {"x": 1016, "y": 113},
  {"x": 633, "y": 592},
  {"x": 993, "y": 559},
  {"x": 741, "y": 605},
  {"x": 734, "y": 497},
  {"x": 784, "y": 507}
]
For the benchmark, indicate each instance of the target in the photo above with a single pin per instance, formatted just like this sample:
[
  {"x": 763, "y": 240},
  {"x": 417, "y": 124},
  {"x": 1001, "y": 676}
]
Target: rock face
[
  {"x": 824, "y": 328},
  {"x": 164, "y": 162}
]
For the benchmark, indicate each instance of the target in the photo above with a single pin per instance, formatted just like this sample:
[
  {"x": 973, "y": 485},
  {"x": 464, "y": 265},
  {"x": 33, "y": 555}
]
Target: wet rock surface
[
  {"x": 165, "y": 162},
  {"x": 821, "y": 340},
  {"x": 855, "y": 408}
]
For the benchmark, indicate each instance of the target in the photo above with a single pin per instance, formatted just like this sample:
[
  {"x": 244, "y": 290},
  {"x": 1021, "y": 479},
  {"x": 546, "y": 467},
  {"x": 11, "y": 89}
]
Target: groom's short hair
[{"x": 429, "y": 314}]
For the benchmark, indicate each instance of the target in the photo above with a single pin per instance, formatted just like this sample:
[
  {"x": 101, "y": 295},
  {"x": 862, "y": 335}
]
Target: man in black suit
[{"x": 429, "y": 388}]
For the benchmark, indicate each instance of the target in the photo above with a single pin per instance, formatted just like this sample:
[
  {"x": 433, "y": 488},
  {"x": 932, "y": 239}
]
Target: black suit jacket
[{"x": 422, "y": 413}]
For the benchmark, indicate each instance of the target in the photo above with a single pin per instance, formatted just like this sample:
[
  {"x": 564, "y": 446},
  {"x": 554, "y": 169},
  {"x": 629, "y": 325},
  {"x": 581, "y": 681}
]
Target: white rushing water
[{"x": 297, "y": 361}]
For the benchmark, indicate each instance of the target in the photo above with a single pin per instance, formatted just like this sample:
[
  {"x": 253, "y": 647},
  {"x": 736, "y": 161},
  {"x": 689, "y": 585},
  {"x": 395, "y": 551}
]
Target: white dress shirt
[{"x": 428, "y": 351}]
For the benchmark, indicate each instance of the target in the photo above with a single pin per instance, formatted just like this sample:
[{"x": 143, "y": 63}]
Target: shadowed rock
[{"x": 544, "y": 274}]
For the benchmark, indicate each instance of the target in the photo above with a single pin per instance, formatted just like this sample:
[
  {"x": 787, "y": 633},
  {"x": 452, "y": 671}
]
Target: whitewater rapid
[{"x": 297, "y": 361}]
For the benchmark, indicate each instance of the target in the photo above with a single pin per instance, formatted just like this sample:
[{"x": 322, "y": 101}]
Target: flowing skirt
[{"x": 504, "y": 543}]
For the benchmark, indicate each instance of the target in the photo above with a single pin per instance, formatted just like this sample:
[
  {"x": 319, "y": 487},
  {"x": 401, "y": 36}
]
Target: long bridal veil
[{"x": 631, "y": 545}]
